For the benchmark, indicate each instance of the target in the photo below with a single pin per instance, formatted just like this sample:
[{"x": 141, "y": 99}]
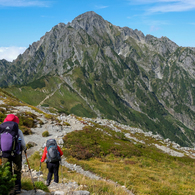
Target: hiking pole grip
[{"x": 30, "y": 172}]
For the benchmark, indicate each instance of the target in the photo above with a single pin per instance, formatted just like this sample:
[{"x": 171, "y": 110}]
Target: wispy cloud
[
  {"x": 155, "y": 25},
  {"x": 25, "y": 3},
  {"x": 101, "y": 6},
  {"x": 161, "y": 6},
  {"x": 130, "y": 17},
  {"x": 154, "y": 28},
  {"x": 156, "y": 22},
  {"x": 11, "y": 53}
]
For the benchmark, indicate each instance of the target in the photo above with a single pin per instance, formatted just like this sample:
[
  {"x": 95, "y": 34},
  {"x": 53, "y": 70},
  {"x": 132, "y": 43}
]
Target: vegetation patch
[
  {"x": 28, "y": 185},
  {"x": 45, "y": 134},
  {"x": 142, "y": 168},
  {"x": 93, "y": 186},
  {"x": 92, "y": 142},
  {"x": 7, "y": 180},
  {"x": 27, "y": 121},
  {"x": 29, "y": 145},
  {"x": 40, "y": 83}
]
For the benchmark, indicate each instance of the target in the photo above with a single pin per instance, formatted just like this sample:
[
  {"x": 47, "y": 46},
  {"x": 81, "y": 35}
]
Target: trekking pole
[
  {"x": 30, "y": 172},
  {"x": 39, "y": 170},
  {"x": 61, "y": 171}
]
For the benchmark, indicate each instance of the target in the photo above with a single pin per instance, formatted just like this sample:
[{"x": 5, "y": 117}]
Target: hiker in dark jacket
[
  {"x": 15, "y": 157},
  {"x": 52, "y": 165}
]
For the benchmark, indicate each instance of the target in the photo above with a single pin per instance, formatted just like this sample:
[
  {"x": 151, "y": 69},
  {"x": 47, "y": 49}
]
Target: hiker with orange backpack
[
  {"x": 11, "y": 145},
  {"x": 53, "y": 153}
]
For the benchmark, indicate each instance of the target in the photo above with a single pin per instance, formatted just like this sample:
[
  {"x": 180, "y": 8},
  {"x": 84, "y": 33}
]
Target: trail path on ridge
[
  {"x": 58, "y": 132},
  {"x": 48, "y": 96}
]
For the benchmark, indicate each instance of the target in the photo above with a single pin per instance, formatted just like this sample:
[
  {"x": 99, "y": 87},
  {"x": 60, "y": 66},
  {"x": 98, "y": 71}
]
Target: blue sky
[{"x": 26, "y": 21}]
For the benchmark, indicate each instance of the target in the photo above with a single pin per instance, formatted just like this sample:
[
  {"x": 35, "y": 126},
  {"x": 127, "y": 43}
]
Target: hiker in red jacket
[{"x": 53, "y": 153}]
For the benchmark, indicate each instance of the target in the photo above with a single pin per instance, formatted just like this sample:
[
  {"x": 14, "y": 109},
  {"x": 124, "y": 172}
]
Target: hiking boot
[
  {"x": 17, "y": 192},
  {"x": 17, "y": 188},
  {"x": 47, "y": 183}
]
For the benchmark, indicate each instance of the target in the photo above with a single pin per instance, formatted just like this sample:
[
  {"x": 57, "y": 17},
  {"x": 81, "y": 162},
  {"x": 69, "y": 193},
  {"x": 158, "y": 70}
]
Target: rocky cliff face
[{"x": 91, "y": 67}]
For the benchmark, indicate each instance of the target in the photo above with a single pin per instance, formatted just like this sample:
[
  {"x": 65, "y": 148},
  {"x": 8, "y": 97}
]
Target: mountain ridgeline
[{"x": 93, "y": 68}]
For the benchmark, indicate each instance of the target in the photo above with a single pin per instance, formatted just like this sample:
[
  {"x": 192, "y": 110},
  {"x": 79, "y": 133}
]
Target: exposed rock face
[{"x": 110, "y": 72}]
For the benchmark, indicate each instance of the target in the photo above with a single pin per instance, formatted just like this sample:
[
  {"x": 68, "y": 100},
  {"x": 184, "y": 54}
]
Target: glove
[{"x": 25, "y": 150}]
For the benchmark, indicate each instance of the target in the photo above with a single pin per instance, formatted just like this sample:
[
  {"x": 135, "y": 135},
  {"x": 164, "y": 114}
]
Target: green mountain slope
[{"x": 92, "y": 68}]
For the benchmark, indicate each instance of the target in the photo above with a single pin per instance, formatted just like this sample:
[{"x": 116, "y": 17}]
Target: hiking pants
[
  {"x": 17, "y": 164},
  {"x": 53, "y": 169}
]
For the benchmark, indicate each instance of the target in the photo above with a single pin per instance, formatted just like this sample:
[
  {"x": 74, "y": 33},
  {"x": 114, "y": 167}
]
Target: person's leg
[
  {"x": 17, "y": 165},
  {"x": 50, "y": 173},
  {"x": 56, "y": 170}
]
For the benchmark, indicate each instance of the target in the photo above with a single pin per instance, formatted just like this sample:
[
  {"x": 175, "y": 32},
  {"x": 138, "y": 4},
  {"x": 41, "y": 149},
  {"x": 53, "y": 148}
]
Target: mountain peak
[
  {"x": 87, "y": 21},
  {"x": 88, "y": 14}
]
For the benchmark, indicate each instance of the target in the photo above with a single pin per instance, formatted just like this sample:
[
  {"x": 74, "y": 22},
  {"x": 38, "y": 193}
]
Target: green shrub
[
  {"x": 29, "y": 145},
  {"x": 45, "y": 134},
  {"x": 25, "y": 130},
  {"x": 27, "y": 121},
  {"x": 2, "y": 117},
  {"x": 28, "y": 185},
  {"x": 66, "y": 123},
  {"x": 7, "y": 181},
  {"x": 41, "y": 185},
  {"x": 49, "y": 116},
  {"x": 91, "y": 142}
]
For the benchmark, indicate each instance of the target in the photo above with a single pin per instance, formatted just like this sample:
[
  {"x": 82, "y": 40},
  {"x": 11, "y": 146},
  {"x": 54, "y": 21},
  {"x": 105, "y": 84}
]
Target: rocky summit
[{"x": 90, "y": 67}]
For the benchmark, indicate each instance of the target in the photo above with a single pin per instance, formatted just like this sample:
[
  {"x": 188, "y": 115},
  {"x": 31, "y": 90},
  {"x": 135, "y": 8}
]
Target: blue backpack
[{"x": 9, "y": 139}]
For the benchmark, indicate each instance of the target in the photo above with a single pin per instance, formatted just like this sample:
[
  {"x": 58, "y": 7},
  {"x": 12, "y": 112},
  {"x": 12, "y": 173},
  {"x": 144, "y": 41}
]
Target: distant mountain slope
[{"x": 91, "y": 68}]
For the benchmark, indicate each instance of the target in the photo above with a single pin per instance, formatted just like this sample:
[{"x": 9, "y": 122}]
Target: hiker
[
  {"x": 11, "y": 145},
  {"x": 53, "y": 153}
]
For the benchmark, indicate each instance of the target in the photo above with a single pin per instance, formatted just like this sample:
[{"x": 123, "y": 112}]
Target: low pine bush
[
  {"x": 45, "y": 134},
  {"x": 7, "y": 181},
  {"x": 40, "y": 185},
  {"x": 28, "y": 185},
  {"x": 25, "y": 130}
]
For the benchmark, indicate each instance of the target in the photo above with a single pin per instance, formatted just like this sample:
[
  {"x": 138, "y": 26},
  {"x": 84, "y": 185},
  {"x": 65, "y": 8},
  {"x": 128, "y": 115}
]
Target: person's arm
[
  {"x": 23, "y": 144},
  {"x": 60, "y": 151},
  {"x": 44, "y": 154}
]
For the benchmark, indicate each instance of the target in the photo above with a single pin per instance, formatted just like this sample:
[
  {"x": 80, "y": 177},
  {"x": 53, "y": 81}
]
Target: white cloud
[
  {"x": 154, "y": 28},
  {"x": 162, "y": 6},
  {"x": 176, "y": 7},
  {"x": 24, "y": 3},
  {"x": 156, "y": 22},
  {"x": 11, "y": 53},
  {"x": 101, "y": 6},
  {"x": 151, "y": 1}
]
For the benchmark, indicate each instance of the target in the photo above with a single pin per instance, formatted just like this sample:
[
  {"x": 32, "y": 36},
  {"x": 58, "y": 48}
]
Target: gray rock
[
  {"x": 59, "y": 193},
  {"x": 32, "y": 192},
  {"x": 79, "y": 193}
]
